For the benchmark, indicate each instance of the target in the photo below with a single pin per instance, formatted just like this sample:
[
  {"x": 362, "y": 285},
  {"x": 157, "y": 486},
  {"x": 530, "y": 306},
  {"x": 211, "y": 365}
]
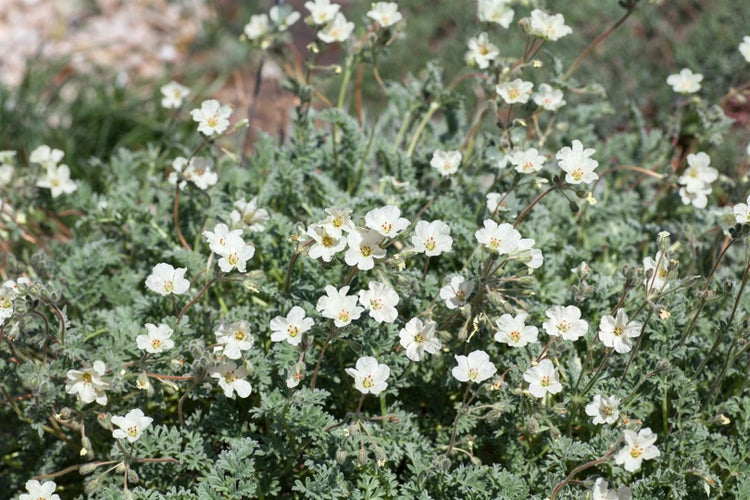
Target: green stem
[{"x": 434, "y": 106}]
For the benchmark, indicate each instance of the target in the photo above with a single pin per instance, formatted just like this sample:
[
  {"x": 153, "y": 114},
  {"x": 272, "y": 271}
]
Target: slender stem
[
  {"x": 574, "y": 66},
  {"x": 197, "y": 296},
  {"x": 176, "y": 217},
  {"x": 434, "y": 106},
  {"x": 527, "y": 210},
  {"x": 314, "y": 378},
  {"x": 455, "y": 421},
  {"x": 725, "y": 247},
  {"x": 581, "y": 468}
]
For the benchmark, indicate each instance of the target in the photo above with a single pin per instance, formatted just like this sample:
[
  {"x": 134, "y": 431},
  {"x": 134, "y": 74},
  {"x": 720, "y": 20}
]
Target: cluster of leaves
[{"x": 88, "y": 254}]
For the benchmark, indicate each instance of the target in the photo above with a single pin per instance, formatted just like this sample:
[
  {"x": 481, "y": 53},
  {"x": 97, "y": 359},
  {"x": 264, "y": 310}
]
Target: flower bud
[
  {"x": 340, "y": 456},
  {"x": 133, "y": 477},
  {"x": 86, "y": 469},
  {"x": 362, "y": 456},
  {"x": 662, "y": 241}
]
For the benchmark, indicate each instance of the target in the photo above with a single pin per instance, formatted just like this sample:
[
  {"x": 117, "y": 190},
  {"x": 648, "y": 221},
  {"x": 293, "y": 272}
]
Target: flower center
[
  {"x": 327, "y": 241},
  {"x": 5, "y": 303},
  {"x": 473, "y": 373},
  {"x": 133, "y": 430},
  {"x": 386, "y": 227},
  {"x": 636, "y": 451},
  {"x": 168, "y": 286},
  {"x": 292, "y": 330},
  {"x": 419, "y": 338},
  {"x": 460, "y": 295},
  {"x": 376, "y": 304},
  {"x": 545, "y": 381},
  {"x": 564, "y": 326},
  {"x": 494, "y": 242},
  {"x": 87, "y": 378},
  {"x": 343, "y": 315},
  {"x": 430, "y": 243},
  {"x": 365, "y": 250},
  {"x": 233, "y": 258},
  {"x": 156, "y": 343},
  {"x": 367, "y": 382},
  {"x": 212, "y": 121},
  {"x": 239, "y": 335},
  {"x": 515, "y": 335},
  {"x": 618, "y": 331},
  {"x": 577, "y": 174}
]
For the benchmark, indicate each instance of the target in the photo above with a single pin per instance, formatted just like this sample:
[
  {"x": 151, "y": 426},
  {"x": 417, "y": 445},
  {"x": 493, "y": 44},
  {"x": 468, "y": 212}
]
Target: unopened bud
[
  {"x": 362, "y": 456},
  {"x": 133, "y": 477},
  {"x": 86, "y": 469},
  {"x": 662, "y": 241},
  {"x": 341, "y": 456}
]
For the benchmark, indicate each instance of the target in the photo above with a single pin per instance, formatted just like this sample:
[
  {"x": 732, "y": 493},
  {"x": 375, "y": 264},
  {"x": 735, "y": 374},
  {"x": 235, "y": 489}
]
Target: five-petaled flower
[
  {"x": 89, "y": 384},
  {"x": 231, "y": 379},
  {"x": 417, "y": 337},
  {"x": 617, "y": 331},
  {"x": 576, "y": 163},
  {"x": 638, "y": 447},
  {"x": 446, "y": 162},
  {"x": 432, "y": 238},
  {"x": 40, "y": 491},
  {"x": 542, "y": 379},
  {"x": 166, "y": 280},
  {"x": 456, "y": 291},
  {"x": 380, "y": 300},
  {"x": 514, "y": 332},
  {"x": 234, "y": 338},
  {"x": 385, "y": 13},
  {"x": 685, "y": 82},
  {"x": 212, "y": 117},
  {"x": 291, "y": 327},
  {"x": 339, "y": 306},
  {"x": 604, "y": 410},
  {"x": 131, "y": 426},
  {"x": 476, "y": 367},
  {"x": 369, "y": 375},
  {"x": 173, "y": 94},
  {"x": 565, "y": 322},
  {"x": 158, "y": 339}
]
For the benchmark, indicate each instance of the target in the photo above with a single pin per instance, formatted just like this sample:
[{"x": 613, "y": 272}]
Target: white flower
[
  {"x": 339, "y": 306},
  {"x": 549, "y": 27},
  {"x": 601, "y": 491},
  {"x": 657, "y": 273},
  {"x": 417, "y": 338},
  {"x": 232, "y": 379},
  {"x": 744, "y": 48},
  {"x": 249, "y": 214},
  {"x": 46, "y": 156},
  {"x": 528, "y": 161},
  {"x": 338, "y": 221},
  {"x": 517, "y": 91},
  {"x": 212, "y": 117},
  {"x": 685, "y": 82},
  {"x": 165, "y": 279},
  {"x": 481, "y": 51},
  {"x": 131, "y": 426},
  {"x": 15, "y": 286},
  {"x": 698, "y": 198},
  {"x": 617, "y": 332},
  {"x": 432, "y": 238},
  {"x": 322, "y": 11},
  {"x": 385, "y": 13},
  {"x": 369, "y": 375},
  {"x": 364, "y": 248},
  {"x": 337, "y": 30},
  {"x": 456, "y": 292},
  {"x": 699, "y": 172},
  {"x": 476, "y": 367},
  {"x": 604, "y": 410},
  {"x": 542, "y": 379},
  {"x": 446, "y": 162},
  {"x": 742, "y": 212},
  {"x": 514, "y": 332},
  {"x": 237, "y": 254},
  {"x": 283, "y": 17},
  {"x": 234, "y": 338},
  {"x": 548, "y": 98},
  {"x": 501, "y": 238},
  {"x": 380, "y": 299},
  {"x": 198, "y": 171},
  {"x": 576, "y": 163},
  {"x": 258, "y": 27},
  {"x": 565, "y": 322},
  {"x": 387, "y": 221},
  {"x": 158, "y": 339},
  {"x": 495, "y": 11},
  {"x": 40, "y": 491},
  {"x": 220, "y": 239},
  {"x": 173, "y": 95},
  {"x": 325, "y": 244},
  {"x": 6, "y": 303},
  {"x": 526, "y": 254},
  {"x": 57, "y": 180},
  {"x": 89, "y": 384},
  {"x": 292, "y": 327},
  {"x": 638, "y": 447}
]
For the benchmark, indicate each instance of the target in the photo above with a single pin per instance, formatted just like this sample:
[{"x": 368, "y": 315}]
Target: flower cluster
[{"x": 56, "y": 176}]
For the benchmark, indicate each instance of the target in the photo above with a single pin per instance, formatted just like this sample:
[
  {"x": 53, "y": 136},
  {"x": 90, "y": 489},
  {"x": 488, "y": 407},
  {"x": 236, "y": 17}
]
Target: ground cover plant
[{"x": 475, "y": 280}]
